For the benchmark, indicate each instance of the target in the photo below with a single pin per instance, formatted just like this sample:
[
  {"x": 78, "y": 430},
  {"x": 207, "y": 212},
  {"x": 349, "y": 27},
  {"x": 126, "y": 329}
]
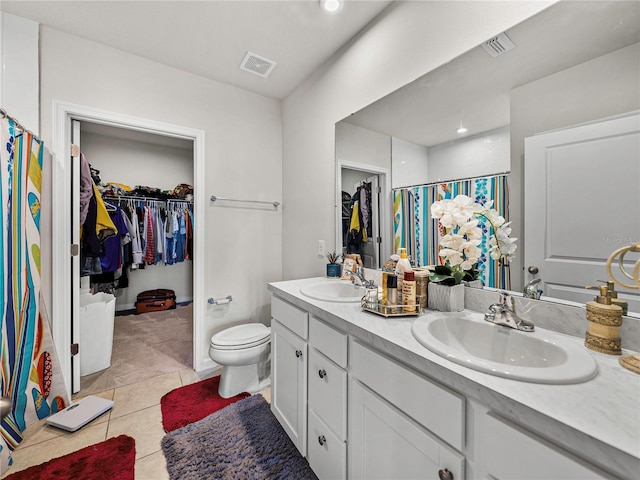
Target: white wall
[
  {"x": 412, "y": 39},
  {"x": 243, "y": 149},
  {"x": 19, "y": 72},
  {"x": 133, "y": 163},
  {"x": 360, "y": 145},
  {"x": 408, "y": 163},
  {"x": 486, "y": 153}
]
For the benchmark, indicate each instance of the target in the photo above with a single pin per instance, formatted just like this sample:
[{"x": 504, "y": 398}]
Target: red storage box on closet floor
[{"x": 155, "y": 300}]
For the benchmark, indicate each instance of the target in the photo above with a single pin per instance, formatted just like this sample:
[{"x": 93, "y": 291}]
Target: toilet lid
[{"x": 246, "y": 335}]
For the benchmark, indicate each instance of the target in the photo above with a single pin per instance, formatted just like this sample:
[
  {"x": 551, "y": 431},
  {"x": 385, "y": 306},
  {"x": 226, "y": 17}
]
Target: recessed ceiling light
[
  {"x": 332, "y": 6},
  {"x": 462, "y": 130}
]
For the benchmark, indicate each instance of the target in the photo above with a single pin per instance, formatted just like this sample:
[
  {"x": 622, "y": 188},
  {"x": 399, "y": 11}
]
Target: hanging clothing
[
  {"x": 104, "y": 225},
  {"x": 86, "y": 188},
  {"x": 150, "y": 253},
  {"x": 111, "y": 260}
]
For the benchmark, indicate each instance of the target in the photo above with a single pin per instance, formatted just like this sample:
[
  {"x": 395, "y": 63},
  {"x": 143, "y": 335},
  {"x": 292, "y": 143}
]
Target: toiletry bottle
[
  {"x": 603, "y": 332},
  {"x": 408, "y": 292},
  {"x": 402, "y": 266},
  {"x": 422, "y": 282},
  {"x": 392, "y": 294},
  {"x": 613, "y": 295},
  {"x": 383, "y": 286}
]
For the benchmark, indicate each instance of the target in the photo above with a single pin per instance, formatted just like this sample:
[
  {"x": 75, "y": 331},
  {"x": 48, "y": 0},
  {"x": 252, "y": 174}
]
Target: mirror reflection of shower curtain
[
  {"x": 415, "y": 230},
  {"x": 30, "y": 373}
]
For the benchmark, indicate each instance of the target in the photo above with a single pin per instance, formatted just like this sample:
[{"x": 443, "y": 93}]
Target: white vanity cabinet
[
  {"x": 514, "y": 452},
  {"x": 289, "y": 358},
  {"x": 327, "y": 428},
  {"x": 401, "y": 425}
]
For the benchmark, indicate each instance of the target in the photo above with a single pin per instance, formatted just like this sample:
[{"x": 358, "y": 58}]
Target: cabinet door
[
  {"x": 289, "y": 383},
  {"x": 384, "y": 443}
]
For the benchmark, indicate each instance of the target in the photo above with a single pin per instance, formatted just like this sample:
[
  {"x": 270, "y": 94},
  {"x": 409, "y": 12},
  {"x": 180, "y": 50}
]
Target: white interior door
[
  {"x": 376, "y": 236},
  {"x": 582, "y": 202},
  {"x": 75, "y": 255}
]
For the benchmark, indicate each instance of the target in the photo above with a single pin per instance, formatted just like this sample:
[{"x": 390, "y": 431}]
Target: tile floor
[{"x": 136, "y": 412}]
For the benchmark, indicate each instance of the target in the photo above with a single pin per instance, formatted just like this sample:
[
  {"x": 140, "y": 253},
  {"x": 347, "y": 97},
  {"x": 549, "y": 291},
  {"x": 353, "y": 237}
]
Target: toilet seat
[{"x": 241, "y": 337}]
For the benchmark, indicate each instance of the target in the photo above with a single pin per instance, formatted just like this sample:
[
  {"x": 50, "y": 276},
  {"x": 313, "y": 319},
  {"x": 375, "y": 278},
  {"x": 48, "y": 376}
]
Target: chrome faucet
[
  {"x": 358, "y": 278},
  {"x": 530, "y": 289},
  {"x": 504, "y": 314}
]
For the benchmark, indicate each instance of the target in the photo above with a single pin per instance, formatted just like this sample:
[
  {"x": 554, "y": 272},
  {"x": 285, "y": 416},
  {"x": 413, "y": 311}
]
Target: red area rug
[
  {"x": 191, "y": 403},
  {"x": 113, "y": 459}
]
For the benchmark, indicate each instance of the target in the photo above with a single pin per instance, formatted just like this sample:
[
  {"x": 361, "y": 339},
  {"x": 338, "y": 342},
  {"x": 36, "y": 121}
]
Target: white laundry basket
[{"x": 97, "y": 314}]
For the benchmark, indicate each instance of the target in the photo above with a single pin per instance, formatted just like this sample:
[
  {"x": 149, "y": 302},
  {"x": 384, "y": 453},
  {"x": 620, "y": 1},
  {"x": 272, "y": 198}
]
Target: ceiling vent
[
  {"x": 498, "y": 45},
  {"x": 258, "y": 65}
]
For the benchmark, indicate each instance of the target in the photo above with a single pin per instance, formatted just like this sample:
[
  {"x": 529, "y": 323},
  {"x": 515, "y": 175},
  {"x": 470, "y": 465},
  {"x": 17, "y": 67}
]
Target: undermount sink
[
  {"x": 334, "y": 291},
  {"x": 539, "y": 357}
]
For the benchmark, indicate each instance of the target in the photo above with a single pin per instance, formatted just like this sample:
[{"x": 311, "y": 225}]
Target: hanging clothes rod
[
  {"x": 215, "y": 198},
  {"x": 19, "y": 126},
  {"x": 500, "y": 174},
  {"x": 145, "y": 199}
]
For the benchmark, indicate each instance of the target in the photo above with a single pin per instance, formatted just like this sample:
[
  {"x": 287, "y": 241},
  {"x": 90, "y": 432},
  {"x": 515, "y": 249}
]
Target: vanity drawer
[
  {"x": 292, "y": 317},
  {"x": 329, "y": 341},
  {"x": 513, "y": 452},
  {"x": 328, "y": 392},
  {"x": 327, "y": 455},
  {"x": 432, "y": 405}
]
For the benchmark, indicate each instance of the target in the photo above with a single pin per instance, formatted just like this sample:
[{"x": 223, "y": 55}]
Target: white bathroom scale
[{"x": 80, "y": 413}]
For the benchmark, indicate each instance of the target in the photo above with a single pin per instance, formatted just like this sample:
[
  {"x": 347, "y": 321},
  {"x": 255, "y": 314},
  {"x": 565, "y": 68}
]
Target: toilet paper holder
[{"x": 220, "y": 301}]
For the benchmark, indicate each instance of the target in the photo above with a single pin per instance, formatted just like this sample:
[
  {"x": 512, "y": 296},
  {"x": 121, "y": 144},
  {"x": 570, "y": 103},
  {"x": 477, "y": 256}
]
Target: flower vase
[{"x": 445, "y": 298}]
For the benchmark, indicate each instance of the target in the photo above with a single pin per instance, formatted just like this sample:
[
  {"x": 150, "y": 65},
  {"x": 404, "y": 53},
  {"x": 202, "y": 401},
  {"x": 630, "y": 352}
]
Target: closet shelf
[{"x": 145, "y": 199}]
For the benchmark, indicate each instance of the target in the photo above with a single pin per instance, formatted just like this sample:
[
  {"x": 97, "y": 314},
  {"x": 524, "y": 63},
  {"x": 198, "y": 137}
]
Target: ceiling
[
  {"x": 474, "y": 89},
  {"x": 210, "y": 38}
]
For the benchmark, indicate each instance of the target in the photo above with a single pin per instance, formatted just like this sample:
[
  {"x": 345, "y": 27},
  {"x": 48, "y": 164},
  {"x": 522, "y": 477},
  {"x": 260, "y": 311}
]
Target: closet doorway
[
  {"x": 351, "y": 179},
  {"x": 99, "y": 129},
  {"x": 144, "y": 179}
]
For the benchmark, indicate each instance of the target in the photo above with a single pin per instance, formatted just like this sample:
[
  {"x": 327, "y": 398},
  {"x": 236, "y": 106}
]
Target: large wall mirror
[{"x": 576, "y": 63}]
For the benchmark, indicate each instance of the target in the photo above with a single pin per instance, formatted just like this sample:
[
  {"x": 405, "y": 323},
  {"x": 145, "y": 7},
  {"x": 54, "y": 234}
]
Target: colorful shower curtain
[
  {"x": 28, "y": 365},
  {"x": 415, "y": 230}
]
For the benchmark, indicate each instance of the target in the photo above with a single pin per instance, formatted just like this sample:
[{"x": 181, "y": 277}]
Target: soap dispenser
[
  {"x": 614, "y": 296},
  {"x": 603, "y": 331}
]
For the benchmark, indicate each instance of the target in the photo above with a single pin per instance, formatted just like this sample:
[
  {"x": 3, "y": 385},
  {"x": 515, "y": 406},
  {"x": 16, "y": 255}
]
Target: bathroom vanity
[{"x": 361, "y": 398}]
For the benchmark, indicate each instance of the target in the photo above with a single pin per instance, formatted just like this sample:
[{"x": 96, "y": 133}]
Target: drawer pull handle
[
  {"x": 322, "y": 440},
  {"x": 445, "y": 474},
  {"x": 298, "y": 353},
  {"x": 322, "y": 373}
]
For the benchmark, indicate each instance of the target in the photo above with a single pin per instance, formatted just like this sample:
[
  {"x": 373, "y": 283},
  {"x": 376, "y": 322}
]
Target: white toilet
[{"x": 242, "y": 351}]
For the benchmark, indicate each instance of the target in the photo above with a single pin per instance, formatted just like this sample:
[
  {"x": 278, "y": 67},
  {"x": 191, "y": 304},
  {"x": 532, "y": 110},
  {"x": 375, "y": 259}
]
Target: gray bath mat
[{"x": 241, "y": 441}]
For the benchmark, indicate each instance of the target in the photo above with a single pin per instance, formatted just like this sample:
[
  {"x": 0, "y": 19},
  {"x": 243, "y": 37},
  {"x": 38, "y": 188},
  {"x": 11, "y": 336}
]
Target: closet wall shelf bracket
[{"x": 215, "y": 198}]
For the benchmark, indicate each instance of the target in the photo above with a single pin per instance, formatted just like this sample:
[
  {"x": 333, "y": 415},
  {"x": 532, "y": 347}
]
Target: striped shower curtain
[
  {"x": 415, "y": 230},
  {"x": 28, "y": 365}
]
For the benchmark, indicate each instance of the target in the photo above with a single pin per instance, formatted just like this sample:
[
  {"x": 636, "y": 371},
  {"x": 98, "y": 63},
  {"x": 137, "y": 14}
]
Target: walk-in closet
[{"x": 145, "y": 183}]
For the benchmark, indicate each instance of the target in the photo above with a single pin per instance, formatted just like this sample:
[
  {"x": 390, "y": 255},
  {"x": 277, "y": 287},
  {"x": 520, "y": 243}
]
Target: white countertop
[{"x": 598, "y": 419}]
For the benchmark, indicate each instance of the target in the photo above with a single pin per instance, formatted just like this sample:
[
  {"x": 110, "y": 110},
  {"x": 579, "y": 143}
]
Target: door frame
[
  {"x": 61, "y": 273},
  {"x": 384, "y": 175}
]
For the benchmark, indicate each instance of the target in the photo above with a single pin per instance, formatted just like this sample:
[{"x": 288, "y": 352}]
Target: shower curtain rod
[
  {"x": 499, "y": 174},
  {"x": 19, "y": 126}
]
